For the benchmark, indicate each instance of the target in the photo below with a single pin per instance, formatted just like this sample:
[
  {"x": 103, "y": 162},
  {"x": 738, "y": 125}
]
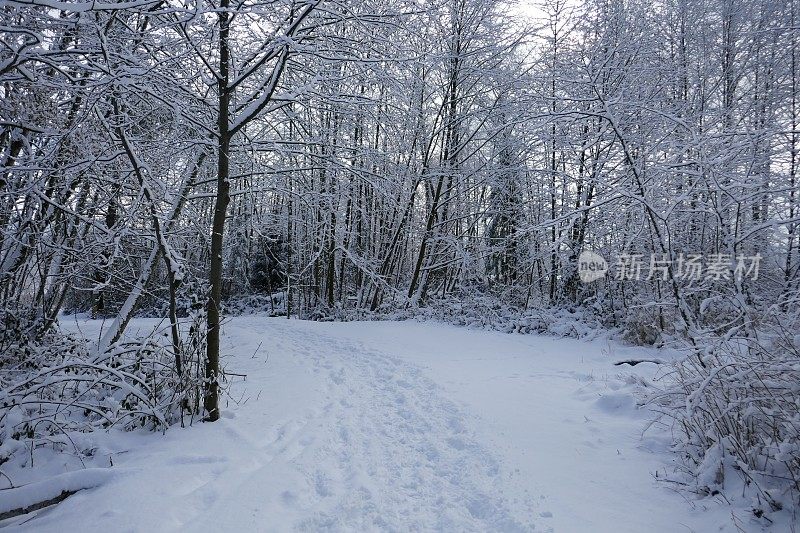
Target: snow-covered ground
[{"x": 395, "y": 426}]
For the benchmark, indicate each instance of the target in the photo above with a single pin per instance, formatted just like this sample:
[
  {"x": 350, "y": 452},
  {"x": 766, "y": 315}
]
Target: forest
[{"x": 557, "y": 167}]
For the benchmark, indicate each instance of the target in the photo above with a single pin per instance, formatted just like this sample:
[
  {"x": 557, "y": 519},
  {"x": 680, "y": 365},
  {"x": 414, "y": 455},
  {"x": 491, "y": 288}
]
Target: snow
[
  {"x": 365, "y": 426},
  {"x": 34, "y": 493}
]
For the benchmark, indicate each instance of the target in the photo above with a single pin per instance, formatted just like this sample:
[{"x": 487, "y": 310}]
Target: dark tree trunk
[{"x": 211, "y": 398}]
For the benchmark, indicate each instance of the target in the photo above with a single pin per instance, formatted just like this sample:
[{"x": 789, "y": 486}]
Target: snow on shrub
[
  {"x": 61, "y": 386},
  {"x": 735, "y": 405},
  {"x": 249, "y": 304},
  {"x": 474, "y": 309}
]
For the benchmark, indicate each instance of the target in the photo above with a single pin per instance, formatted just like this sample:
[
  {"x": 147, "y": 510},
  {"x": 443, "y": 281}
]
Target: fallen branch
[
  {"x": 27, "y": 498},
  {"x": 634, "y": 362}
]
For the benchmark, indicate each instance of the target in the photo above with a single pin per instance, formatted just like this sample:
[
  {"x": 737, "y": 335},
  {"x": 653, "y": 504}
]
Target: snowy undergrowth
[
  {"x": 472, "y": 310},
  {"x": 734, "y": 406},
  {"x": 59, "y": 393}
]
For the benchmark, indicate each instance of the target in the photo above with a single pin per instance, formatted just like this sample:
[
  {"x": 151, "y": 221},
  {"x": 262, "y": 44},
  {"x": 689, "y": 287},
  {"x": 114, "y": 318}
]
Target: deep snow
[{"x": 394, "y": 426}]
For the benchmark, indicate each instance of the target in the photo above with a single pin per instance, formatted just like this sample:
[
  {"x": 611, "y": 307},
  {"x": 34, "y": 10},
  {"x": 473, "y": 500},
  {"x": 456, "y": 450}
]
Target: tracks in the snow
[{"x": 392, "y": 452}]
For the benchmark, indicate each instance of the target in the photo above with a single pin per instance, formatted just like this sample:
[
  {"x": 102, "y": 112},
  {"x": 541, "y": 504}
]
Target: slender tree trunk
[{"x": 211, "y": 398}]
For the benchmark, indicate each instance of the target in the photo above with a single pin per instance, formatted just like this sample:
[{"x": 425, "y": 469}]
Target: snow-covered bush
[
  {"x": 16, "y": 334},
  {"x": 643, "y": 326},
  {"x": 248, "y": 304},
  {"x": 474, "y": 309},
  {"x": 63, "y": 386},
  {"x": 735, "y": 404}
]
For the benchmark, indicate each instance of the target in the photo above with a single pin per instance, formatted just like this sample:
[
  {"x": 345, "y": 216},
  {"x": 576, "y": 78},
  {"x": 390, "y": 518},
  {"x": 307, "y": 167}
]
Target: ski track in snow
[{"x": 389, "y": 427}]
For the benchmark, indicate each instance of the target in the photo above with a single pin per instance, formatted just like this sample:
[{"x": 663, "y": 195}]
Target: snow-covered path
[{"x": 398, "y": 426}]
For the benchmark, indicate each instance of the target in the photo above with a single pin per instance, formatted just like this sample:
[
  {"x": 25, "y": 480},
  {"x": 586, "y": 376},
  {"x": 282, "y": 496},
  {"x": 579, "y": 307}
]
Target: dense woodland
[{"x": 355, "y": 159}]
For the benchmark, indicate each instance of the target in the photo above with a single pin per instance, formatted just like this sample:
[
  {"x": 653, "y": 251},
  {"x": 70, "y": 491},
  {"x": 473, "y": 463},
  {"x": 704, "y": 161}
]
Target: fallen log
[
  {"x": 634, "y": 362},
  {"x": 22, "y": 500}
]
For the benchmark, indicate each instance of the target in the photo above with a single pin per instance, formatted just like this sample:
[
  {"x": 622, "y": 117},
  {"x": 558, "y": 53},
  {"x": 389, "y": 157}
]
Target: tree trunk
[{"x": 211, "y": 398}]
